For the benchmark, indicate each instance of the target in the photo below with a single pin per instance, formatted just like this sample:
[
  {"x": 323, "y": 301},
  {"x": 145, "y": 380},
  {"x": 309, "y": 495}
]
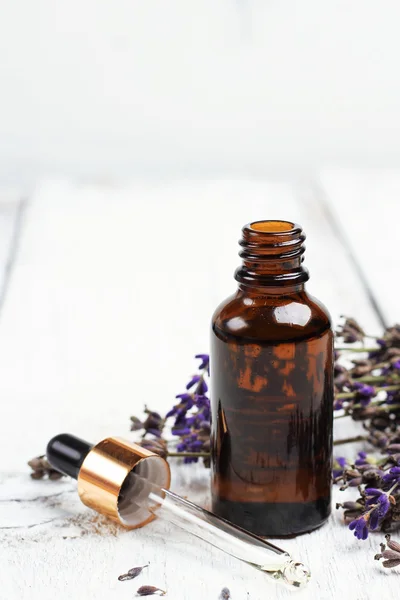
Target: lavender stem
[
  {"x": 365, "y": 349},
  {"x": 189, "y": 454},
  {"x": 357, "y": 438}
]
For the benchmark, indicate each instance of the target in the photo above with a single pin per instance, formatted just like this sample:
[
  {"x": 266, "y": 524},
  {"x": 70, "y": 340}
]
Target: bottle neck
[{"x": 273, "y": 254}]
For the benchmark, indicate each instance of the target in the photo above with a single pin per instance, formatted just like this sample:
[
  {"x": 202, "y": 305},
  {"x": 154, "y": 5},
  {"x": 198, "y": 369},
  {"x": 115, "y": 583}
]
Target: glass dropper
[
  {"x": 129, "y": 484},
  {"x": 218, "y": 532}
]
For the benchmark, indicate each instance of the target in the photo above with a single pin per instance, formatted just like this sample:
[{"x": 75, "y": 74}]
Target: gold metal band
[{"x": 104, "y": 471}]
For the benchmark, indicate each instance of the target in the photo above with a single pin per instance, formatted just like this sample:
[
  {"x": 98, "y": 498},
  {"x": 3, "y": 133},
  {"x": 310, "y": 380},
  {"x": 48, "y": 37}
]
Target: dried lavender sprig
[
  {"x": 192, "y": 420},
  {"x": 192, "y": 416},
  {"x": 378, "y": 507}
]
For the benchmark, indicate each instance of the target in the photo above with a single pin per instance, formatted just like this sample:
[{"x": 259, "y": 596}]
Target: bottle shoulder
[{"x": 271, "y": 318}]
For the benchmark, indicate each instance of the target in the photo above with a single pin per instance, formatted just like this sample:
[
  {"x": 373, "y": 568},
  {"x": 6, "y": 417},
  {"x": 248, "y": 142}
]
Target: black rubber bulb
[{"x": 66, "y": 453}]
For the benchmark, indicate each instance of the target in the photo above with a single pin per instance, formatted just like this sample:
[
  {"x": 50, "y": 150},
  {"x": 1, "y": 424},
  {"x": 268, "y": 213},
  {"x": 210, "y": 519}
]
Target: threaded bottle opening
[
  {"x": 272, "y": 253},
  {"x": 272, "y": 226}
]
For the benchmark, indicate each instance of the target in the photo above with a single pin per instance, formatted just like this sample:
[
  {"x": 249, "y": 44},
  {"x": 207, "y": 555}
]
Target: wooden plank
[
  {"x": 121, "y": 286},
  {"x": 366, "y": 206}
]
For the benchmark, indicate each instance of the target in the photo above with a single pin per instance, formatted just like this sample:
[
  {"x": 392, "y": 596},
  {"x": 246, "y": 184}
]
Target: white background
[{"x": 99, "y": 89}]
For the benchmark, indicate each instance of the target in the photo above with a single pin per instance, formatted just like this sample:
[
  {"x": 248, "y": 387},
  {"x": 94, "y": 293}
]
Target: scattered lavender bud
[
  {"x": 132, "y": 573},
  {"x": 392, "y": 544},
  {"x": 391, "y": 555},
  {"x": 225, "y": 594},
  {"x": 390, "y": 563},
  {"x": 149, "y": 590},
  {"x": 349, "y": 505},
  {"x": 41, "y": 467},
  {"x": 136, "y": 424}
]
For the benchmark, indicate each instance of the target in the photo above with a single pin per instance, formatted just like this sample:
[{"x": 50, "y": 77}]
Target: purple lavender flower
[
  {"x": 187, "y": 404},
  {"x": 171, "y": 412},
  {"x": 377, "y": 514},
  {"x": 205, "y": 413},
  {"x": 191, "y": 417},
  {"x": 339, "y": 465},
  {"x": 364, "y": 392},
  {"x": 362, "y": 459},
  {"x": 196, "y": 445},
  {"x": 396, "y": 364},
  {"x": 181, "y": 419},
  {"x": 392, "y": 396},
  {"x": 184, "y": 397},
  {"x": 360, "y": 528},
  {"x": 392, "y": 477},
  {"x": 205, "y": 361},
  {"x": 202, "y": 387},
  {"x": 199, "y": 382},
  {"x": 373, "y": 493},
  {"x": 195, "y": 379},
  {"x": 379, "y": 503},
  {"x": 201, "y": 400},
  {"x": 193, "y": 442},
  {"x": 181, "y": 432},
  {"x": 338, "y": 404}
]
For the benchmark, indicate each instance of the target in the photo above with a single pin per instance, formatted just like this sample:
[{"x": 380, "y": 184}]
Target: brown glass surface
[{"x": 272, "y": 392}]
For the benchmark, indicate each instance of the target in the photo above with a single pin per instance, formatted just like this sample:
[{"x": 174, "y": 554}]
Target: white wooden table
[{"x": 107, "y": 295}]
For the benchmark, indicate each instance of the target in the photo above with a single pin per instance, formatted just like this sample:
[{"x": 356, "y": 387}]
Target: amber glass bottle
[{"x": 272, "y": 390}]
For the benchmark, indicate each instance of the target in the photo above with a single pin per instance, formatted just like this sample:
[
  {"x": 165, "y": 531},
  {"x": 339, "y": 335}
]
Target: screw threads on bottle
[{"x": 272, "y": 253}]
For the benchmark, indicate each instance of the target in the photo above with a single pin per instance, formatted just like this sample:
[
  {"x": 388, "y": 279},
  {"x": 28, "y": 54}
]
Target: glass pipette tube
[{"x": 207, "y": 526}]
